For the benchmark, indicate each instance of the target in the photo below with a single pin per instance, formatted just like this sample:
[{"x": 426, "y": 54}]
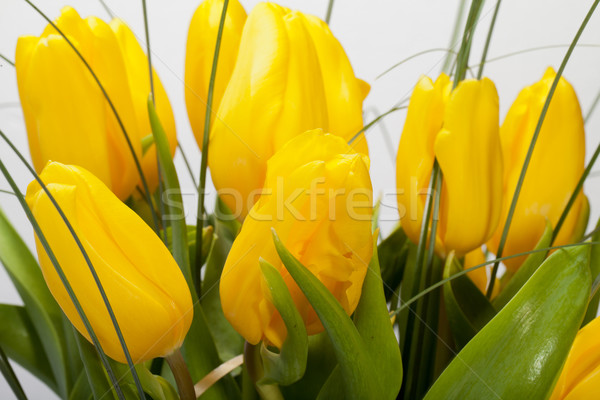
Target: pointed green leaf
[
  {"x": 199, "y": 339},
  {"x": 592, "y": 310},
  {"x": 81, "y": 389},
  {"x": 21, "y": 343},
  {"x": 287, "y": 366},
  {"x": 468, "y": 309},
  {"x": 11, "y": 378},
  {"x": 359, "y": 377},
  {"x": 393, "y": 252},
  {"x": 529, "y": 266},
  {"x": 44, "y": 313},
  {"x": 96, "y": 375},
  {"x": 229, "y": 343},
  {"x": 372, "y": 320},
  {"x": 519, "y": 353}
]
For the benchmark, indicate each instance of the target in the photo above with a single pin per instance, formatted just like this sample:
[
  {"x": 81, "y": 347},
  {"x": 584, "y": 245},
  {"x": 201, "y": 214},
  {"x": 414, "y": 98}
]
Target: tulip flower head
[
  {"x": 318, "y": 198},
  {"x": 459, "y": 128},
  {"x": 142, "y": 281},
  {"x": 580, "y": 377},
  {"x": 290, "y": 75},
  {"x": 200, "y": 50},
  {"x": 556, "y": 165},
  {"x": 66, "y": 115}
]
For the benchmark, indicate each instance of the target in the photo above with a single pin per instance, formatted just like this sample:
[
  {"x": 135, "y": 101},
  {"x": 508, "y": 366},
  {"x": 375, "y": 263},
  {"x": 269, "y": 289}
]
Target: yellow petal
[
  {"x": 319, "y": 201},
  {"x": 344, "y": 92},
  {"x": 556, "y": 165},
  {"x": 200, "y": 50},
  {"x": 468, "y": 151},
  {"x": 581, "y": 372},
  {"x": 66, "y": 130},
  {"x": 143, "y": 283},
  {"x": 274, "y": 94},
  {"x": 136, "y": 64},
  {"x": 415, "y": 155}
]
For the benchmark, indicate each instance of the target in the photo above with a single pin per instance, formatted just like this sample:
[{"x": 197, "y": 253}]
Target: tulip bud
[
  {"x": 199, "y": 53},
  {"x": 142, "y": 281},
  {"x": 291, "y": 75},
  {"x": 580, "y": 376},
  {"x": 66, "y": 115},
  {"x": 556, "y": 165},
  {"x": 318, "y": 198},
  {"x": 460, "y": 129}
]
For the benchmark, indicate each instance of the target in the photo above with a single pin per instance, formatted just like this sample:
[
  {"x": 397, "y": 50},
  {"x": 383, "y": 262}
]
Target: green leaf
[
  {"x": 393, "y": 252},
  {"x": 592, "y": 310},
  {"x": 372, "y": 320},
  {"x": 171, "y": 184},
  {"x": 44, "y": 313},
  {"x": 319, "y": 366},
  {"x": 519, "y": 353},
  {"x": 468, "y": 309},
  {"x": 229, "y": 343},
  {"x": 10, "y": 377},
  {"x": 21, "y": 343},
  {"x": 98, "y": 381},
  {"x": 287, "y": 366},
  {"x": 529, "y": 266},
  {"x": 81, "y": 389},
  {"x": 199, "y": 339},
  {"x": 359, "y": 377}
]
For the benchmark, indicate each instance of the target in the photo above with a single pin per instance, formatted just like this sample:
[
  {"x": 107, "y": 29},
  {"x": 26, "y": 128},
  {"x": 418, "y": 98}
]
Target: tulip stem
[
  {"x": 204, "y": 159},
  {"x": 536, "y": 133},
  {"x": 183, "y": 379},
  {"x": 253, "y": 364}
]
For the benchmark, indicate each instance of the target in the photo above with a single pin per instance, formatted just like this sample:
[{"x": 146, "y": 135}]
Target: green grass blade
[
  {"x": 113, "y": 109},
  {"x": 329, "y": 10},
  {"x": 488, "y": 39},
  {"x": 513, "y": 204},
  {"x": 7, "y": 60},
  {"x": 458, "y": 20},
  {"x": 204, "y": 159}
]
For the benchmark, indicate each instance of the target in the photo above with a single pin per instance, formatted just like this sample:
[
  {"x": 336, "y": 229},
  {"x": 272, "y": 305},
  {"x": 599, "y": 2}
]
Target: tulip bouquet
[{"x": 485, "y": 288}]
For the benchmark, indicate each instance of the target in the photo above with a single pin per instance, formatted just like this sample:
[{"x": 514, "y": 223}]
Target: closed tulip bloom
[
  {"x": 142, "y": 281},
  {"x": 580, "y": 376},
  {"x": 66, "y": 114},
  {"x": 554, "y": 170},
  {"x": 200, "y": 50},
  {"x": 291, "y": 75},
  {"x": 318, "y": 198},
  {"x": 460, "y": 128}
]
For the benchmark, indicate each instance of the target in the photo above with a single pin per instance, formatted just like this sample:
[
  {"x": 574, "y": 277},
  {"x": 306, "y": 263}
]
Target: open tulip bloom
[{"x": 486, "y": 287}]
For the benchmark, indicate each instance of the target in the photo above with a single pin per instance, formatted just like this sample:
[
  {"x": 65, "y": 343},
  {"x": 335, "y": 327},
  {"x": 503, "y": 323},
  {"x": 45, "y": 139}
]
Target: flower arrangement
[{"x": 485, "y": 287}]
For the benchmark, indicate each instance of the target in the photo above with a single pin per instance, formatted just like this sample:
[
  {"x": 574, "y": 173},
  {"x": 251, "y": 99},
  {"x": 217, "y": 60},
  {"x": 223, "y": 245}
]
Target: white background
[{"x": 376, "y": 34}]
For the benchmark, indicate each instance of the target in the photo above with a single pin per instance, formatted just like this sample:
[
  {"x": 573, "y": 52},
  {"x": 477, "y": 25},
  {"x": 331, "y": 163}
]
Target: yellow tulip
[
  {"x": 480, "y": 276},
  {"x": 556, "y": 166},
  {"x": 318, "y": 198},
  {"x": 200, "y": 50},
  {"x": 580, "y": 377},
  {"x": 67, "y": 117},
  {"x": 144, "y": 285},
  {"x": 291, "y": 75},
  {"x": 460, "y": 129}
]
